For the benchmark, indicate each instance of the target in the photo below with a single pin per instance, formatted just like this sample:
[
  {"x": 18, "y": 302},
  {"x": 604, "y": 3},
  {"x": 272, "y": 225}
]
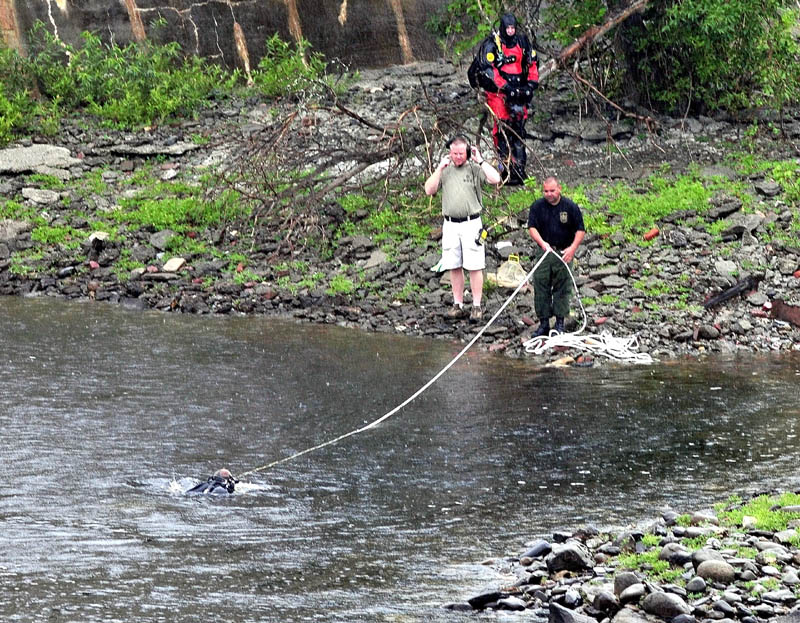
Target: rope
[
  {"x": 621, "y": 350},
  {"x": 386, "y": 416}
]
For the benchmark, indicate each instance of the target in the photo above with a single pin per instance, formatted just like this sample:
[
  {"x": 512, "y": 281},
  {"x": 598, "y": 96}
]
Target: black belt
[{"x": 461, "y": 219}]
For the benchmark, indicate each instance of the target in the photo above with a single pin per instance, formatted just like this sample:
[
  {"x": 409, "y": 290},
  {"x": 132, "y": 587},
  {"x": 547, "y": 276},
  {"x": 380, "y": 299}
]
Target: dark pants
[{"x": 552, "y": 287}]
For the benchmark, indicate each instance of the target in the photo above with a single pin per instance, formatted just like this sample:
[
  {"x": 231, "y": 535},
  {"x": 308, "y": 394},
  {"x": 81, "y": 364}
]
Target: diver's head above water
[{"x": 222, "y": 481}]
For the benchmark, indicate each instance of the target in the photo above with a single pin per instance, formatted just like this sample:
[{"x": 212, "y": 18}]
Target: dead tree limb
[
  {"x": 591, "y": 35},
  {"x": 744, "y": 285}
]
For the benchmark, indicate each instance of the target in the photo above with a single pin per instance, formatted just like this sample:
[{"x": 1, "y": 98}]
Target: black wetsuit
[{"x": 214, "y": 484}]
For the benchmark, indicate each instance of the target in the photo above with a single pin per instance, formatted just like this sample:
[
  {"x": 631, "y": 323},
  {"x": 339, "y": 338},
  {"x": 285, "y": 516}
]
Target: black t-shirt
[{"x": 556, "y": 224}]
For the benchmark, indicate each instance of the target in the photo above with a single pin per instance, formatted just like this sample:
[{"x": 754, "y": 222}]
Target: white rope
[
  {"x": 386, "y": 416},
  {"x": 622, "y": 349},
  {"x": 618, "y": 351}
]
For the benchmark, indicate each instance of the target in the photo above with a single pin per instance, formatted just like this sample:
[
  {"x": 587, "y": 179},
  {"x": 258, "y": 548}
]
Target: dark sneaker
[
  {"x": 544, "y": 328},
  {"x": 456, "y": 312},
  {"x": 476, "y": 314},
  {"x": 559, "y": 325}
]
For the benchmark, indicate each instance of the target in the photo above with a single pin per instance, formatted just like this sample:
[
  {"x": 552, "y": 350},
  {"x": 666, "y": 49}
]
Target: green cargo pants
[{"x": 552, "y": 287}]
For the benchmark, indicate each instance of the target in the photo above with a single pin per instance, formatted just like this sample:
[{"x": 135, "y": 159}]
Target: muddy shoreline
[{"x": 624, "y": 283}]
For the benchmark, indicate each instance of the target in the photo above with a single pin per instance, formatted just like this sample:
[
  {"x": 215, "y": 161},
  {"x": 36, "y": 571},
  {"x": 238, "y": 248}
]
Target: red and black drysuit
[{"x": 506, "y": 68}]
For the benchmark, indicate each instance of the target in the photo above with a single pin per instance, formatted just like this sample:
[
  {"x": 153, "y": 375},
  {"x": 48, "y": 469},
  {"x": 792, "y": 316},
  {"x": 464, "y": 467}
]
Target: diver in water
[{"x": 221, "y": 482}]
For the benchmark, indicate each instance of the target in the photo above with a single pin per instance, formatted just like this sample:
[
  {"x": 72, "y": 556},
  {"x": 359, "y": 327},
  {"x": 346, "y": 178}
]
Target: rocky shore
[
  {"x": 623, "y": 283},
  {"x": 681, "y": 568}
]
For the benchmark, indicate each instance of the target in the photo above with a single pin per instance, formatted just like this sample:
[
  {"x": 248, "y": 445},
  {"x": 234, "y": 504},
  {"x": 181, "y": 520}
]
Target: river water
[{"x": 108, "y": 415}]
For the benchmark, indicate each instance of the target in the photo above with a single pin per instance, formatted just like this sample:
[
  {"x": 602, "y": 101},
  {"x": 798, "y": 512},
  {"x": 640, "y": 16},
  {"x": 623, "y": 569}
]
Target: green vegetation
[
  {"x": 648, "y": 562},
  {"x": 58, "y": 235},
  {"x": 765, "y": 509},
  {"x": 290, "y": 71},
  {"x": 768, "y": 514},
  {"x": 696, "y": 55},
  {"x": 139, "y": 84},
  {"x": 180, "y": 214},
  {"x": 407, "y": 218},
  {"x": 340, "y": 284}
]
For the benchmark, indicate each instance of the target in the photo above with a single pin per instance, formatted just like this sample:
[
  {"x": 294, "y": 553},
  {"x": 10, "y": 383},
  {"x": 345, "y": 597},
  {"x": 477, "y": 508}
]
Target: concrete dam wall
[{"x": 361, "y": 33}]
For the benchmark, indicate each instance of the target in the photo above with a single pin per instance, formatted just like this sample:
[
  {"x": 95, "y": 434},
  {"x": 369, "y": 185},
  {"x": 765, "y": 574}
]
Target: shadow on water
[{"x": 108, "y": 415}]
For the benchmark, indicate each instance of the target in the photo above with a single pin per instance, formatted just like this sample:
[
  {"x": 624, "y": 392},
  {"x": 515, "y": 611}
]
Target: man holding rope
[{"x": 555, "y": 223}]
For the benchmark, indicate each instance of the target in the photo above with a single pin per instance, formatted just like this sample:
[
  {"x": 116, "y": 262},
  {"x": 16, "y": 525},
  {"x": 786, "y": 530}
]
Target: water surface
[{"x": 107, "y": 415}]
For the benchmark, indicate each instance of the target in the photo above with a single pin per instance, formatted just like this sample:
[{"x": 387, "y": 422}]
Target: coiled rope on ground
[{"x": 619, "y": 349}]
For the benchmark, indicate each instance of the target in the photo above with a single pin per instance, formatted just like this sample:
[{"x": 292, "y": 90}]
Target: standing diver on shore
[{"x": 506, "y": 68}]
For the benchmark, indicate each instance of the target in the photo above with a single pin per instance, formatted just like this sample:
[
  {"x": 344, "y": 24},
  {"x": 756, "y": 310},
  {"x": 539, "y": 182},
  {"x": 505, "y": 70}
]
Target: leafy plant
[
  {"x": 66, "y": 236},
  {"x": 716, "y": 54},
  {"x": 285, "y": 70},
  {"x": 340, "y": 284},
  {"x": 139, "y": 84}
]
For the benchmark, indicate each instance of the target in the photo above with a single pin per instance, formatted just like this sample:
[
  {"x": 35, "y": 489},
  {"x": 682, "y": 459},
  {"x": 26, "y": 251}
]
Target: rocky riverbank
[
  {"x": 623, "y": 284},
  {"x": 683, "y": 569}
]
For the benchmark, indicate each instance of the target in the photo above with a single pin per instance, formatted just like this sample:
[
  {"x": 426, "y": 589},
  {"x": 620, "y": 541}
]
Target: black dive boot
[
  {"x": 544, "y": 327},
  {"x": 559, "y": 325}
]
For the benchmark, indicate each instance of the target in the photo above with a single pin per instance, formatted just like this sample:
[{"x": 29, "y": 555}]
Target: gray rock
[
  {"x": 161, "y": 239},
  {"x": 790, "y": 578},
  {"x": 537, "y": 549},
  {"x": 9, "y": 230},
  {"x": 741, "y": 223},
  {"x": 768, "y": 188},
  {"x": 37, "y": 158},
  {"x": 633, "y": 593},
  {"x": 376, "y": 258},
  {"x": 716, "y": 571},
  {"x": 569, "y": 557},
  {"x": 701, "y": 555},
  {"x": 665, "y": 605},
  {"x": 724, "y": 607},
  {"x": 560, "y": 614},
  {"x": 726, "y": 268},
  {"x": 782, "y": 595},
  {"x": 696, "y": 585},
  {"x": 511, "y": 603},
  {"x": 606, "y": 602},
  {"x": 150, "y": 149},
  {"x": 675, "y": 553},
  {"x": 614, "y": 281},
  {"x": 40, "y": 196},
  {"x": 629, "y": 615}
]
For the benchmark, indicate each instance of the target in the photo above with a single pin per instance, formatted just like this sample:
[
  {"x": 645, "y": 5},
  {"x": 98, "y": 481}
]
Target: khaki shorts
[{"x": 459, "y": 249}]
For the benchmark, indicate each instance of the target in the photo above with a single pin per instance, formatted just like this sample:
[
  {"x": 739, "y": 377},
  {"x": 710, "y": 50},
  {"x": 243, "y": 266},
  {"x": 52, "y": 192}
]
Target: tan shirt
[{"x": 461, "y": 190}]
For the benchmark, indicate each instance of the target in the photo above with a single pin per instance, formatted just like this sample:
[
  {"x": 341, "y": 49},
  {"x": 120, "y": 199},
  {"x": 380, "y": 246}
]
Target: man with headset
[{"x": 460, "y": 175}]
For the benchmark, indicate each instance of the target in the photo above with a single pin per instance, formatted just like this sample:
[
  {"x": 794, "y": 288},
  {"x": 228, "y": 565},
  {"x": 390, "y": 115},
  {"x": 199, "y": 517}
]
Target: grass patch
[{"x": 765, "y": 509}]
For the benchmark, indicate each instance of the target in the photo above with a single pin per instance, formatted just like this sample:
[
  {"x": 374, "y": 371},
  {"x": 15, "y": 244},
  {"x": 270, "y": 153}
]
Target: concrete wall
[{"x": 364, "y": 33}]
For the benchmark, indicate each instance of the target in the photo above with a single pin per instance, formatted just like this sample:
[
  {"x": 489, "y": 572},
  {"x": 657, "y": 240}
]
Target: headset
[{"x": 459, "y": 137}]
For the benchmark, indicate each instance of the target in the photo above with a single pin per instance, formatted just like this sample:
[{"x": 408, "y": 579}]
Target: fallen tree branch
[{"x": 590, "y": 36}]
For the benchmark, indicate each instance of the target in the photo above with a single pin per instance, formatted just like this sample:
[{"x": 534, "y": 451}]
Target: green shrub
[
  {"x": 285, "y": 70},
  {"x": 340, "y": 284},
  {"x": 717, "y": 54},
  {"x": 181, "y": 214},
  {"x": 139, "y": 84},
  {"x": 20, "y": 113}
]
